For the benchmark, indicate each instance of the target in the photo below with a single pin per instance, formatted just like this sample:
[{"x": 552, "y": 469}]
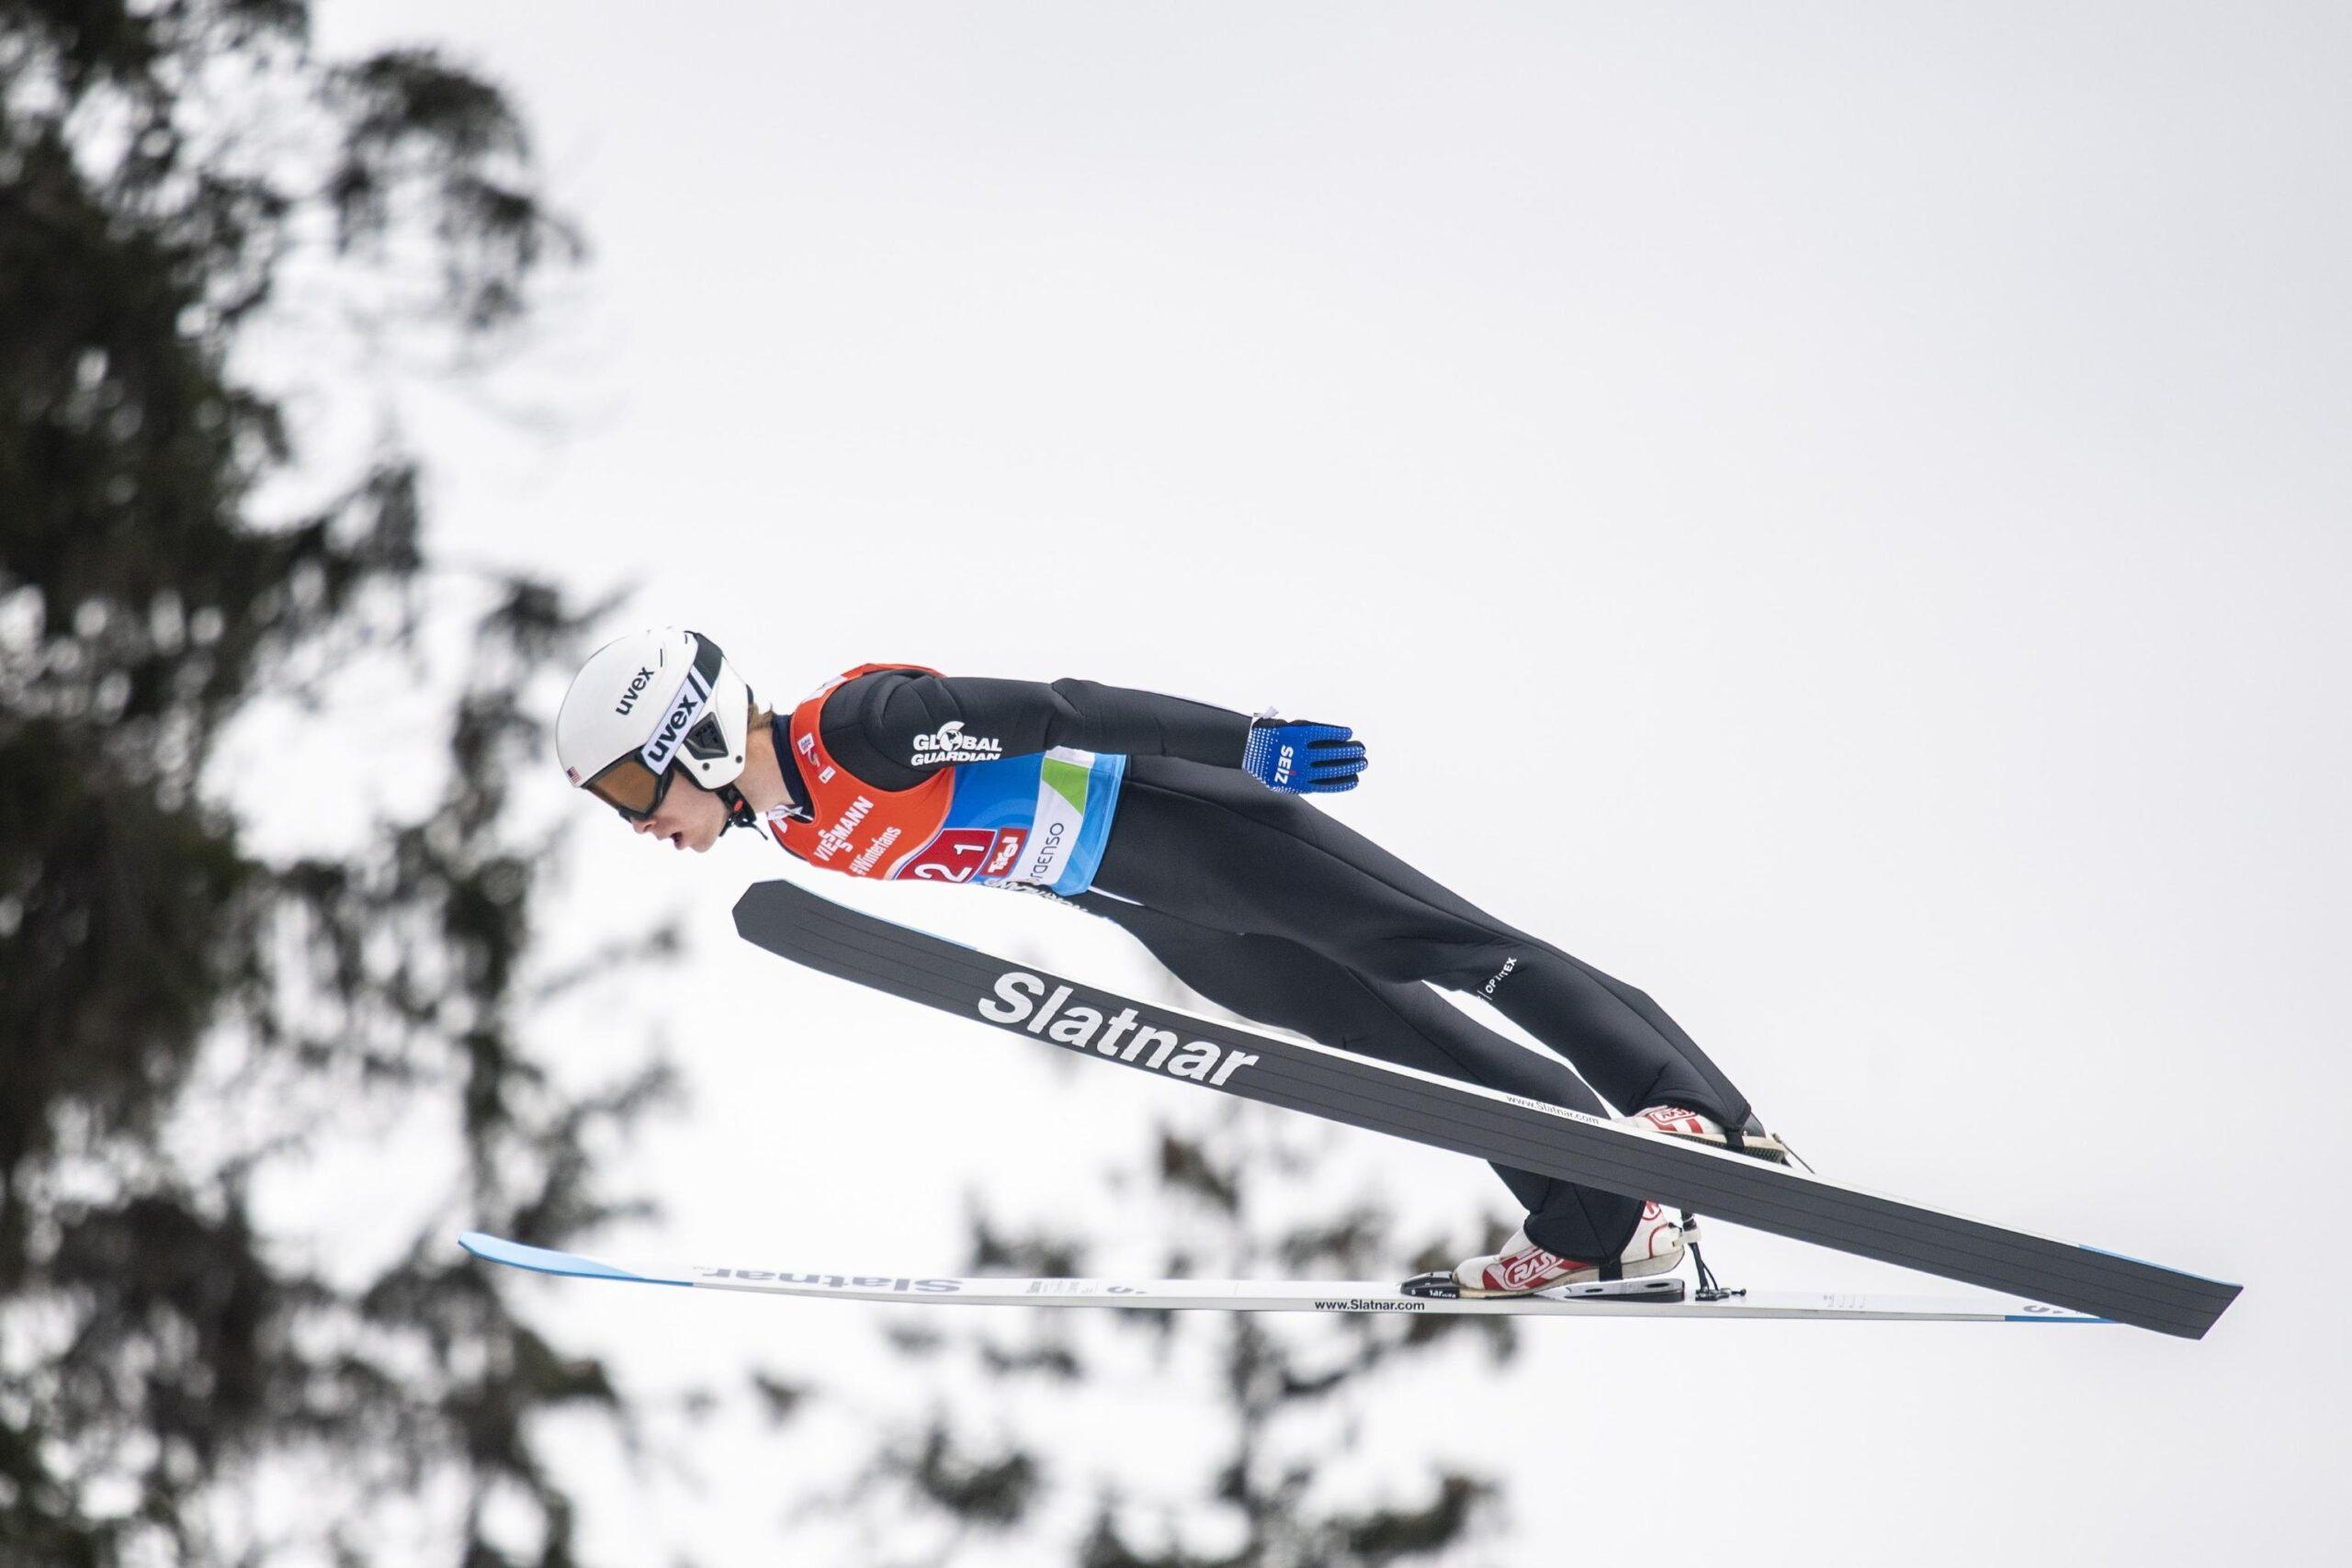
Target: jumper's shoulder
[{"x": 871, "y": 721}]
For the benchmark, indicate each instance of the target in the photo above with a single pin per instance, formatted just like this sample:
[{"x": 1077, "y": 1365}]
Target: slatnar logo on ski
[
  {"x": 832, "y": 1282},
  {"x": 1122, "y": 1036},
  {"x": 948, "y": 743},
  {"x": 1371, "y": 1304}
]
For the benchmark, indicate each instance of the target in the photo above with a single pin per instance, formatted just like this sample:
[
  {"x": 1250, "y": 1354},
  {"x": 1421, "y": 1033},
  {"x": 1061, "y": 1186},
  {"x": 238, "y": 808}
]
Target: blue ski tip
[
  {"x": 2227, "y": 1284},
  {"x": 2048, "y": 1318},
  {"x": 547, "y": 1260}
]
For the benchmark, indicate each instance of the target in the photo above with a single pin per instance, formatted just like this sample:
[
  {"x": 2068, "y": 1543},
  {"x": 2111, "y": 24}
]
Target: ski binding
[{"x": 1439, "y": 1284}]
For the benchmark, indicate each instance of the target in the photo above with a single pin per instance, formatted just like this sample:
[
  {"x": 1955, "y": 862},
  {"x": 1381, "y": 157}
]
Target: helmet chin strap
[{"x": 738, "y": 810}]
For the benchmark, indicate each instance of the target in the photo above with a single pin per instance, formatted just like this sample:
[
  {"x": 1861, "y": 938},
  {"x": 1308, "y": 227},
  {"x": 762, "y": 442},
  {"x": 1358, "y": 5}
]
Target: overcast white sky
[{"x": 1837, "y": 514}]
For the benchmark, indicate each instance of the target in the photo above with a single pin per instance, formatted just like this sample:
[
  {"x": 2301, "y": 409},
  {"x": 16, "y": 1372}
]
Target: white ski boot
[
  {"x": 1676, "y": 1122},
  {"x": 1522, "y": 1267}
]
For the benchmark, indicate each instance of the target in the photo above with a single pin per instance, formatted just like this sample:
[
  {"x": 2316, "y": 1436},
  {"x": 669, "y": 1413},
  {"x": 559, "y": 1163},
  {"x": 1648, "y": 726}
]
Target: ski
[
  {"x": 1266, "y": 1296},
  {"x": 791, "y": 921}
]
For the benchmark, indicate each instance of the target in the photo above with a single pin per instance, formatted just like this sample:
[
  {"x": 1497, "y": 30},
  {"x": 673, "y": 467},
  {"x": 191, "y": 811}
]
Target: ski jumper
[{"x": 1254, "y": 898}]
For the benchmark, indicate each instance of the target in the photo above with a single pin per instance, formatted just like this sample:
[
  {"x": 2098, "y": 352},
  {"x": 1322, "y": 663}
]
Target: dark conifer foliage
[
  {"x": 1280, "y": 1404},
  {"x": 160, "y": 166}
]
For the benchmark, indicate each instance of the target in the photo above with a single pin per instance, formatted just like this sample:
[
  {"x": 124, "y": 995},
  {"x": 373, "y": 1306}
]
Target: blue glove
[{"x": 1300, "y": 758}]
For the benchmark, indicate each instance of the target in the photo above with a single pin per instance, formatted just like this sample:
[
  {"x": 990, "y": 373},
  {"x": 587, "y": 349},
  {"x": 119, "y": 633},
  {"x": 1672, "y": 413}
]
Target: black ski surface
[{"x": 795, "y": 923}]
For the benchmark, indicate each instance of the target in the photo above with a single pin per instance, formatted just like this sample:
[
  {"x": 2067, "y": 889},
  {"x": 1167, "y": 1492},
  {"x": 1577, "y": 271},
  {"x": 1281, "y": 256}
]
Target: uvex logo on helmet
[
  {"x": 684, "y": 708},
  {"x": 635, "y": 689}
]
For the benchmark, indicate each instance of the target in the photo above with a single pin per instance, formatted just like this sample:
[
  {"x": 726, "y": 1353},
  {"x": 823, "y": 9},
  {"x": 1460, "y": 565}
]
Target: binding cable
[{"x": 1709, "y": 1288}]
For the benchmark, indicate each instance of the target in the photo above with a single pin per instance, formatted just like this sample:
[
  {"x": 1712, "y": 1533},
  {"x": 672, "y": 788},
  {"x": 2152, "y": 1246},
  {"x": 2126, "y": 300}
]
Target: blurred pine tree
[
  {"x": 1273, "y": 1401},
  {"x": 161, "y": 165}
]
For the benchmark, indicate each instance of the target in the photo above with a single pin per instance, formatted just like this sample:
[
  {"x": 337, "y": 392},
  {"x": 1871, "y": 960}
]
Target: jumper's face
[{"x": 689, "y": 816}]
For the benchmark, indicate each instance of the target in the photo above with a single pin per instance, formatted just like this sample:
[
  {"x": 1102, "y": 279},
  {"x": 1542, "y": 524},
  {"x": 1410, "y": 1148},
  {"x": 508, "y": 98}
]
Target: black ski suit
[{"x": 1265, "y": 905}]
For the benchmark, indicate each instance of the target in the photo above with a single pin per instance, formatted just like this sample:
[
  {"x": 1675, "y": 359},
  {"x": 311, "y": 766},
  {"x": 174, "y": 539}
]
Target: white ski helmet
[{"x": 648, "y": 706}]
